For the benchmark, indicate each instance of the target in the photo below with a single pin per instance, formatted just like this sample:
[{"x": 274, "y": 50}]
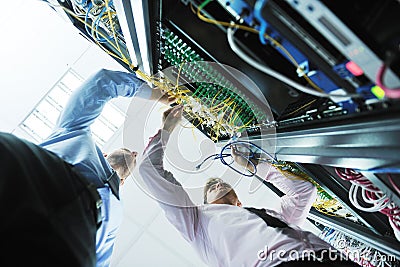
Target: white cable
[
  {"x": 275, "y": 74},
  {"x": 368, "y": 187},
  {"x": 353, "y": 199},
  {"x": 382, "y": 201},
  {"x": 378, "y": 204},
  {"x": 393, "y": 224},
  {"x": 77, "y": 9}
]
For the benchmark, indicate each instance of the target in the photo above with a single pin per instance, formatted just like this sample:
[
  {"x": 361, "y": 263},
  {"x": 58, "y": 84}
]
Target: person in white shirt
[{"x": 223, "y": 232}]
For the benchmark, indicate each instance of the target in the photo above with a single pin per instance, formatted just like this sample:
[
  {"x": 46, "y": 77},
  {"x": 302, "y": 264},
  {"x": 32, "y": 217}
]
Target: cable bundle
[
  {"x": 331, "y": 206},
  {"x": 356, "y": 250},
  {"x": 223, "y": 114},
  {"x": 214, "y": 103},
  {"x": 251, "y": 155},
  {"x": 377, "y": 200}
]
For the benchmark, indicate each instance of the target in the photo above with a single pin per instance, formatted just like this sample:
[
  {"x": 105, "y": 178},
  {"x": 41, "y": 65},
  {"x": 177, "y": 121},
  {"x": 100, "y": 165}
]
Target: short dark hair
[{"x": 210, "y": 182}]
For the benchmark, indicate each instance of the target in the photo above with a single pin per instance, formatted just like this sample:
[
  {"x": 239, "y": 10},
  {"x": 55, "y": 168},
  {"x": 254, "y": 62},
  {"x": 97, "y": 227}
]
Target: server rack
[{"x": 316, "y": 133}]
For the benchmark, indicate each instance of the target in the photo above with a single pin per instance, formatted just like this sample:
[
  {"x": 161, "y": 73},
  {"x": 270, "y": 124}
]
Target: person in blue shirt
[
  {"x": 49, "y": 213},
  {"x": 72, "y": 141}
]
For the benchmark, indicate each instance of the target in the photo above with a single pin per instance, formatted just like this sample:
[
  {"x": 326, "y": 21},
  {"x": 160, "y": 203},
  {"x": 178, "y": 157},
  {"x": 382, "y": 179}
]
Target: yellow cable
[
  {"x": 179, "y": 73},
  {"x": 114, "y": 34},
  {"x": 233, "y": 111},
  {"x": 177, "y": 91},
  {"x": 102, "y": 35},
  {"x": 220, "y": 109},
  {"x": 244, "y": 125},
  {"x": 250, "y": 29},
  {"x": 300, "y": 108}
]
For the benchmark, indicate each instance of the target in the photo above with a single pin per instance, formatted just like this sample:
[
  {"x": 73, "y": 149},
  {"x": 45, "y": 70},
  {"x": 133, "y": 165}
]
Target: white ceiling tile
[
  {"x": 24, "y": 135},
  {"x": 42, "y": 49},
  {"x": 129, "y": 232},
  {"x": 95, "y": 59},
  {"x": 137, "y": 205},
  {"x": 163, "y": 231},
  {"x": 147, "y": 251}
]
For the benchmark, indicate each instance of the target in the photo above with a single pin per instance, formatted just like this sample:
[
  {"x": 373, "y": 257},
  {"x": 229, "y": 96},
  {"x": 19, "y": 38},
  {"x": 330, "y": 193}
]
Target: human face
[{"x": 222, "y": 193}]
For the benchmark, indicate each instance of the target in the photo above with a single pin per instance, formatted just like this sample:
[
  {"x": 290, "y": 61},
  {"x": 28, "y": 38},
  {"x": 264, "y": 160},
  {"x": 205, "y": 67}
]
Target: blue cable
[
  {"x": 263, "y": 24},
  {"x": 96, "y": 23},
  {"x": 86, "y": 19},
  {"x": 216, "y": 156},
  {"x": 83, "y": 2},
  {"x": 381, "y": 170},
  {"x": 252, "y": 155}
]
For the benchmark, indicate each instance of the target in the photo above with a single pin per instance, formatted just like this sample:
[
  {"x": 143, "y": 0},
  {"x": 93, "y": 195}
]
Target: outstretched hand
[
  {"x": 172, "y": 117},
  {"x": 159, "y": 95},
  {"x": 243, "y": 159}
]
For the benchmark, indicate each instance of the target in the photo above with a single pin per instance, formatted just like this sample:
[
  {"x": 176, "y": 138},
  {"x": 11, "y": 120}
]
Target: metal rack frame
[{"x": 368, "y": 141}]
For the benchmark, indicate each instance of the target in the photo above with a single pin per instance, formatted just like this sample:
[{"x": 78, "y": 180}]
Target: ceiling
[{"x": 39, "y": 47}]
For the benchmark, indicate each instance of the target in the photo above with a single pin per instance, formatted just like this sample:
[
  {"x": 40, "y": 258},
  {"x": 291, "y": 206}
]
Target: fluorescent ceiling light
[{"x": 40, "y": 122}]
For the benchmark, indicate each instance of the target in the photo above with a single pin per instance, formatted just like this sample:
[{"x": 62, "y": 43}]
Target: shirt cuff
[
  {"x": 164, "y": 136},
  {"x": 144, "y": 91}
]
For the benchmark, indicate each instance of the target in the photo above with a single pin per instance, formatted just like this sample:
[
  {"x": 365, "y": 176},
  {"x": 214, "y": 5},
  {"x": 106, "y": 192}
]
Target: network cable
[
  {"x": 255, "y": 154},
  {"x": 252, "y": 156},
  {"x": 253, "y": 30},
  {"x": 389, "y": 92},
  {"x": 277, "y": 75},
  {"x": 222, "y": 115},
  {"x": 263, "y": 68},
  {"x": 371, "y": 195}
]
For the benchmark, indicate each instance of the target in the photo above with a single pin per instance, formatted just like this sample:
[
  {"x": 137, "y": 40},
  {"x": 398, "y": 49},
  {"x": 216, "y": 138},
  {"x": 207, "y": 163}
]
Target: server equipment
[{"x": 313, "y": 86}]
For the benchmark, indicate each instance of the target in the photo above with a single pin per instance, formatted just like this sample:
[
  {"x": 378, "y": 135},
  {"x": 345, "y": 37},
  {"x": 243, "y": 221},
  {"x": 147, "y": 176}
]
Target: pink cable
[
  {"x": 389, "y": 92},
  {"x": 348, "y": 174},
  {"x": 353, "y": 176},
  {"x": 391, "y": 212},
  {"x": 396, "y": 222},
  {"x": 393, "y": 184}
]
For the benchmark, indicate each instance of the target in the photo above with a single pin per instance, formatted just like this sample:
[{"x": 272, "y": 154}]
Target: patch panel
[{"x": 218, "y": 107}]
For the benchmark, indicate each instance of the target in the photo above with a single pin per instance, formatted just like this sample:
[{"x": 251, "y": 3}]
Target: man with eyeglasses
[{"x": 223, "y": 232}]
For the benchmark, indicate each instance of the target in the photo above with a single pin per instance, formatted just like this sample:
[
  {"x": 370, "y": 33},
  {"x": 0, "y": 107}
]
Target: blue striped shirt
[{"x": 72, "y": 141}]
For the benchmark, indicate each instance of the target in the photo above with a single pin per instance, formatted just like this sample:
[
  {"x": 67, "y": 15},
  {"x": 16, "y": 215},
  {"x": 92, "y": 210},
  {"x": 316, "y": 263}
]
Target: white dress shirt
[{"x": 227, "y": 235}]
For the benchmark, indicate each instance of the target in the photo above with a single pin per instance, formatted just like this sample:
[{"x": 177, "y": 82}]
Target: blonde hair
[{"x": 121, "y": 159}]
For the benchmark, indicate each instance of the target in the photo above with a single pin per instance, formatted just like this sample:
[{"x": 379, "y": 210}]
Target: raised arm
[
  {"x": 299, "y": 194},
  {"x": 87, "y": 102},
  {"x": 172, "y": 198}
]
